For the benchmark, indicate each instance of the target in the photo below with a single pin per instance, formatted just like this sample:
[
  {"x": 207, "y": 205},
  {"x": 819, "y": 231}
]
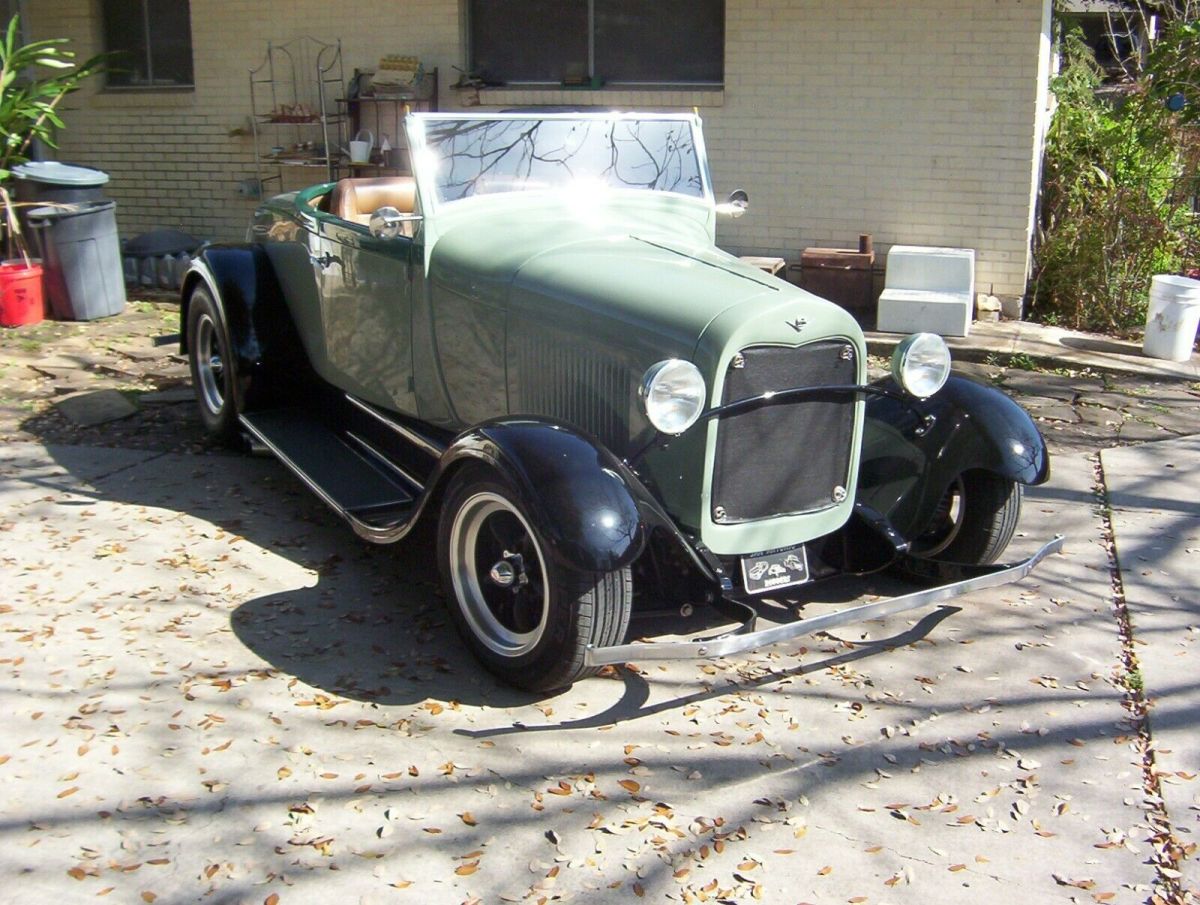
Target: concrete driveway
[{"x": 215, "y": 693}]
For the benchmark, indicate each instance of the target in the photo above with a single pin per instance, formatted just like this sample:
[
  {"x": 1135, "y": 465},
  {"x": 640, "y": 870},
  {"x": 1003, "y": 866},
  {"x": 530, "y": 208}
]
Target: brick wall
[{"x": 916, "y": 122}]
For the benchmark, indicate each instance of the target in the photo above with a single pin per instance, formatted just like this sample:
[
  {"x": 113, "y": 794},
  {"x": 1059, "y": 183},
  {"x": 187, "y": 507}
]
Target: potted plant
[{"x": 34, "y": 79}]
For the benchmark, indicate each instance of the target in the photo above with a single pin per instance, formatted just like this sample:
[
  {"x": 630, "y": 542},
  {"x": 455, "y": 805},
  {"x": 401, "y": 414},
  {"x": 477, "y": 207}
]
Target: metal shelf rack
[{"x": 293, "y": 113}]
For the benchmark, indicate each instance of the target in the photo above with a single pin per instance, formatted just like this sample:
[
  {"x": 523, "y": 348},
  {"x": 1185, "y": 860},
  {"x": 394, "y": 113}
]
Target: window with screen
[
  {"x": 631, "y": 42},
  {"x": 151, "y": 43}
]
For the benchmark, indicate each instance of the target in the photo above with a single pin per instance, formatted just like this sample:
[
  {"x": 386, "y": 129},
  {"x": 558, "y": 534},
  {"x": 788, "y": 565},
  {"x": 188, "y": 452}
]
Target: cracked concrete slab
[
  {"x": 1154, "y": 491},
  {"x": 214, "y": 690}
]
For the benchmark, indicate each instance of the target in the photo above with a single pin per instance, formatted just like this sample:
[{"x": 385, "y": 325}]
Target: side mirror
[
  {"x": 388, "y": 223},
  {"x": 738, "y": 204}
]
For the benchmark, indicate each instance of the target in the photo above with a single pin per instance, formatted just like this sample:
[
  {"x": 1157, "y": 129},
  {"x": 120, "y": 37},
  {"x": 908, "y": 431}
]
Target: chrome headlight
[
  {"x": 673, "y": 395},
  {"x": 921, "y": 364}
]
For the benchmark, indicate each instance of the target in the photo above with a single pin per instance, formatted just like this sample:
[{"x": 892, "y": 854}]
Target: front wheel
[
  {"x": 974, "y": 521},
  {"x": 527, "y": 618}
]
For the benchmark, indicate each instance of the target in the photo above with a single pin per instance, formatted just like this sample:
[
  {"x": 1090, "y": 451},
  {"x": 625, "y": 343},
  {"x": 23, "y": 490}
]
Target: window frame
[
  {"x": 147, "y": 56},
  {"x": 616, "y": 84}
]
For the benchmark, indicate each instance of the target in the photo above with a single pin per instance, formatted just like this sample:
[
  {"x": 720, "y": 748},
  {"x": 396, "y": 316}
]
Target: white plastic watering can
[{"x": 361, "y": 147}]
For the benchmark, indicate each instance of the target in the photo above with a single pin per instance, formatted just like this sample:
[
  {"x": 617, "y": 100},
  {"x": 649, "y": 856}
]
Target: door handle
[{"x": 325, "y": 261}]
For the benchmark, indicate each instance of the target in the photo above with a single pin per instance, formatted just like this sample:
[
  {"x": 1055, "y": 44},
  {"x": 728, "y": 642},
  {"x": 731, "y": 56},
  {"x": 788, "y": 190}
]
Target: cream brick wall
[{"x": 915, "y": 121}]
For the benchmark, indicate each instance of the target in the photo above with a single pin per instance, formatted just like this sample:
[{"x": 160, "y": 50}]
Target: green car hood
[{"x": 626, "y": 279}]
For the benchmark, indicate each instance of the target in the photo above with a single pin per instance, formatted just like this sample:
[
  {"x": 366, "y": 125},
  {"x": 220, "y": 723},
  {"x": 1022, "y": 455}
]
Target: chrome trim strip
[
  {"x": 423, "y": 443},
  {"x": 733, "y": 643},
  {"x": 385, "y": 461}
]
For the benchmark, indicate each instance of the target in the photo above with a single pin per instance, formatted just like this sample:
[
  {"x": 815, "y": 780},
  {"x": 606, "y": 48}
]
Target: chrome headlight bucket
[
  {"x": 921, "y": 364},
  {"x": 672, "y": 395}
]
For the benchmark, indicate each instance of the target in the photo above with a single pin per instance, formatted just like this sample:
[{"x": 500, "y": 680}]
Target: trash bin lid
[
  {"x": 61, "y": 211},
  {"x": 52, "y": 172}
]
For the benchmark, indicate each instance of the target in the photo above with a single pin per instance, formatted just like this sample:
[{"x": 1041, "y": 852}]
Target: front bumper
[{"x": 745, "y": 638}]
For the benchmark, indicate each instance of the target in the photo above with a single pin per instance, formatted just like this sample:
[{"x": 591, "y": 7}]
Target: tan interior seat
[{"x": 356, "y": 199}]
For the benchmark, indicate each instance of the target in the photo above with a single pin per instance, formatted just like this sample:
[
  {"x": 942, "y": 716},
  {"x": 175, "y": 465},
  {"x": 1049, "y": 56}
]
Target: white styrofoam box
[
  {"x": 928, "y": 289},
  {"x": 929, "y": 267},
  {"x": 924, "y": 311}
]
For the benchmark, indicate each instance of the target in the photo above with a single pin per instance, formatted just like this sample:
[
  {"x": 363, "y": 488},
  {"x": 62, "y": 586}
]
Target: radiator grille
[{"x": 790, "y": 457}]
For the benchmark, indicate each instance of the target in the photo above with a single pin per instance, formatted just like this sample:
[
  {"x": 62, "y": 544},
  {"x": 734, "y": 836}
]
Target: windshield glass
[{"x": 478, "y": 157}]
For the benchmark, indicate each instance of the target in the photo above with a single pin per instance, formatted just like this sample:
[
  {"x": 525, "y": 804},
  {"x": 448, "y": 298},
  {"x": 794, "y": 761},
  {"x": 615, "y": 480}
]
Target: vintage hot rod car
[{"x": 534, "y": 346}]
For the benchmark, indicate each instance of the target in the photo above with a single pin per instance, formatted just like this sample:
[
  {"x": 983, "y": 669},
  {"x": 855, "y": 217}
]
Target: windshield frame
[{"x": 415, "y": 124}]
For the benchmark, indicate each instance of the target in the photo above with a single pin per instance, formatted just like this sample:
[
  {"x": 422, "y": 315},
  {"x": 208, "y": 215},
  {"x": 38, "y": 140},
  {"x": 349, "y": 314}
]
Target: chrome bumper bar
[{"x": 735, "y": 642}]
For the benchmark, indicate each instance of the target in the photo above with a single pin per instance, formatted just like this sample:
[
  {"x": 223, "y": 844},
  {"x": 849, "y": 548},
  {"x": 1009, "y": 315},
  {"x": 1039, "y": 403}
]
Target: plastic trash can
[
  {"x": 82, "y": 259},
  {"x": 48, "y": 181},
  {"x": 1172, "y": 317}
]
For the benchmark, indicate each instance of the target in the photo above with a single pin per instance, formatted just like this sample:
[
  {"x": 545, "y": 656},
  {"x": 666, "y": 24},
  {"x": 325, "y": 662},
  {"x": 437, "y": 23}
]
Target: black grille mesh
[{"x": 788, "y": 457}]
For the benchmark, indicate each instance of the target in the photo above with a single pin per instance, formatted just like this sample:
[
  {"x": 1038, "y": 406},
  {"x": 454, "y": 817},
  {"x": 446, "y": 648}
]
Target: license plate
[{"x": 775, "y": 569}]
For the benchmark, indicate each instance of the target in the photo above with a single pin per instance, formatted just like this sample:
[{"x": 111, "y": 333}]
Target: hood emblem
[{"x": 798, "y": 324}]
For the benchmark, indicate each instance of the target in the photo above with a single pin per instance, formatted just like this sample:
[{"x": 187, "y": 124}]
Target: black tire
[
  {"x": 531, "y": 633},
  {"x": 212, "y": 367},
  {"x": 975, "y": 520}
]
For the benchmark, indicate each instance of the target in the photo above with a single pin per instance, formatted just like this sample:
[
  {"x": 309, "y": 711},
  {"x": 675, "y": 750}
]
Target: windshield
[{"x": 478, "y": 157}]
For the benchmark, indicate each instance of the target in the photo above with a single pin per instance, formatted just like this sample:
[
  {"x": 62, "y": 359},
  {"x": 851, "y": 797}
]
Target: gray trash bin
[
  {"x": 51, "y": 182},
  {"x": 82, "y": 259}
]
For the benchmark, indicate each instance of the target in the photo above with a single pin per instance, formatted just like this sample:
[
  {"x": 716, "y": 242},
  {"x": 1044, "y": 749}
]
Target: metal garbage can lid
[
  {"x": 62, "y": 211},
  {"x": 52, "y": 172}
]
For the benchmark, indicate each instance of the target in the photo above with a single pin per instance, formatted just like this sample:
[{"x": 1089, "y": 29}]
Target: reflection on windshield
[{"x": 514, "y": 155}]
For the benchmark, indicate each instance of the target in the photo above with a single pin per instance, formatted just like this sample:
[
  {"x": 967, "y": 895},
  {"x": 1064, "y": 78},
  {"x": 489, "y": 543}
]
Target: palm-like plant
[{"x": 34, "y": 79}]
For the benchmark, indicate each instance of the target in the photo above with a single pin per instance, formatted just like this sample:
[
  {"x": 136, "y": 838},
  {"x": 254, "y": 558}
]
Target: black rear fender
[
  {"x": 268, "y": 355},
  {"x": 912, "y": 453}
]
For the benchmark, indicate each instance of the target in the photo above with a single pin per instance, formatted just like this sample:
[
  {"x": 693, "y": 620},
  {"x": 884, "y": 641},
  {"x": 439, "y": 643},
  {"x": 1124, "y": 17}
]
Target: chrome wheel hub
[
  {"x": 210, "y": 367},
  {"x": 498, "y": 574}
]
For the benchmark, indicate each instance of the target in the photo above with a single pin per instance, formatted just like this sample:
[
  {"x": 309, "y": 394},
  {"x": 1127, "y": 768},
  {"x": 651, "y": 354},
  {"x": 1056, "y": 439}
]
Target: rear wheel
[
  {"x": 527, "y": 618},
  {"x": 213, "y": 376},
  {"x": 974, "y": 521}
]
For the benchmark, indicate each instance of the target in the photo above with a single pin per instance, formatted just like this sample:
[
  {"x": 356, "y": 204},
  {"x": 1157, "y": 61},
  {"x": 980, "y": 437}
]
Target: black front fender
[
  {"x": 913, "y": 450},
  {"x": 582, "y": 499}
]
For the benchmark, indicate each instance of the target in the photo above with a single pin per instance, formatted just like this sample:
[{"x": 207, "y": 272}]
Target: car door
[{"x": 364, "y": 286}]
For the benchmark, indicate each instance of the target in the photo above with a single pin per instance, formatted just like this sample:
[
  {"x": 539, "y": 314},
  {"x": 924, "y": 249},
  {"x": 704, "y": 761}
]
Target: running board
[
  {"x": 741, "y": 640},
  {"x": 345, "y": 471}
]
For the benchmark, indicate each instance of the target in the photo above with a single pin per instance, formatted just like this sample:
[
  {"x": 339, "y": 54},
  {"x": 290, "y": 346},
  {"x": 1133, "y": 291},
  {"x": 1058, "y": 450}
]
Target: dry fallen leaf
[
  {"x": 630, "y": 786},
  {"x": 465, "y": 870},
  {"x": 468, "y": 818}
]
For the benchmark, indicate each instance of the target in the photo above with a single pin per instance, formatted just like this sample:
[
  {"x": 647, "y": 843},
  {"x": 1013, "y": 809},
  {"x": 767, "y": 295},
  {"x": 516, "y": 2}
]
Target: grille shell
[{"x": 788, "y": 458}]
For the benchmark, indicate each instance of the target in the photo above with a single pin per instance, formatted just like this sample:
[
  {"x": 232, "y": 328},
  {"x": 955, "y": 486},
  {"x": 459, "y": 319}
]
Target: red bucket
[{"x": 20, "y": 294}]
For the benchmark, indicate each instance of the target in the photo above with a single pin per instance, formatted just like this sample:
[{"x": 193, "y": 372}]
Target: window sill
[
  {"x": 616, "y": 96},
  {"x": 145, "y": 97},
  {"x": 142, "y": 89}
]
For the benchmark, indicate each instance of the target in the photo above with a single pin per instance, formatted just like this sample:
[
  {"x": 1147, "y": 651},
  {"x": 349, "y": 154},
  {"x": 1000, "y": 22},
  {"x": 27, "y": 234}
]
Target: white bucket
[{"x": 1172, "y": 318}]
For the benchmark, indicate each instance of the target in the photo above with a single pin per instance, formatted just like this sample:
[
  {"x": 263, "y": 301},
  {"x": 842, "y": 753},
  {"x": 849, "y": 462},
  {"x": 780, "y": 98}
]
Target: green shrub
[
  {"x": 1118, "y": 182},
  {"x": 34, "y": 80}
]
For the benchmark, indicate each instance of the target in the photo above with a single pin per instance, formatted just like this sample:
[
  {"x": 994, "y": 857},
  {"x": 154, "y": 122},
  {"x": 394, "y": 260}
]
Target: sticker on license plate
[{"x": 775, "y": 569}]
